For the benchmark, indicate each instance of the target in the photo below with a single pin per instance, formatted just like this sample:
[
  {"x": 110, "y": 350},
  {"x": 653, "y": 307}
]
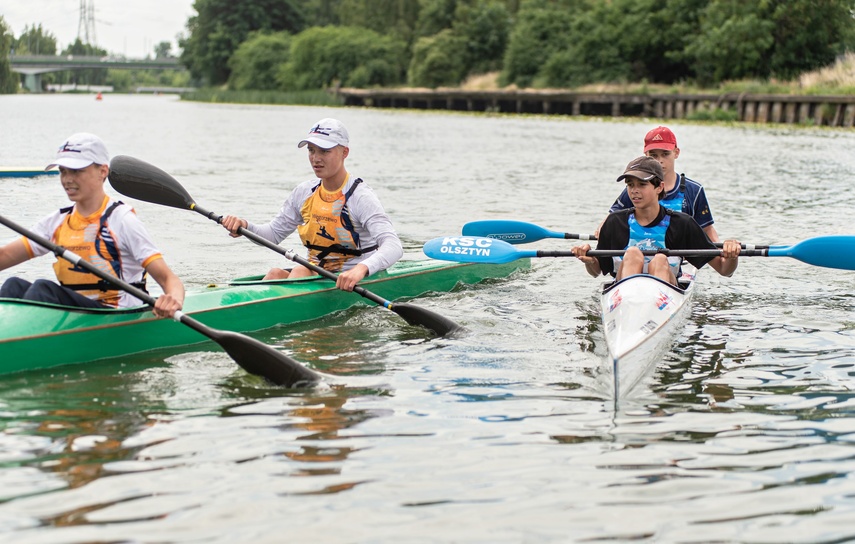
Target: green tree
[
  {"x": 466, "y": 36},
  {"x": 9, "y": 81},
  {"x": 591, "y": 52},
  {"x": 34, "y": 40},
  {"x": 258, "y": 59},
  {"x": 808, "y": 34},
  {"x": 434, "y": 16},
  {"x": 321, "y": 57},
  {"x": 484, "y": 25},
  {"x": 734, "y": 41},
  {"x": 540, "y": 31},
  {"x": 321, "y": 12},
  {"x": 663, "y": 52},
  {"x": 437, "y": 60},
  {"x": 395, "y": 17},
  {"x": 221, "y": 25},
  {"x": 163, "y": 50},
  {"x": 568, "y": 44}
]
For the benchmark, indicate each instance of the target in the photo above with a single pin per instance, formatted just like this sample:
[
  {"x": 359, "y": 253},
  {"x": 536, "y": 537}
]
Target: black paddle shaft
[
  {"x": 413, "y": 315},
  {"x": 255, "y": 357},
  {"x": 290, "y": 255},
  {"x": 651, "y": 252},
  {"x": 139, "y": 179}
]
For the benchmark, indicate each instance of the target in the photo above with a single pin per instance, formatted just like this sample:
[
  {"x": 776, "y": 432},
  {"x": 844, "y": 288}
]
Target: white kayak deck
[{"x": 641, "y": 317}]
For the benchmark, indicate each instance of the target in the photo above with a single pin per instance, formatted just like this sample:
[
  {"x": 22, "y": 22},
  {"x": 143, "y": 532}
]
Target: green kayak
[{"x": 37, "y": 335}]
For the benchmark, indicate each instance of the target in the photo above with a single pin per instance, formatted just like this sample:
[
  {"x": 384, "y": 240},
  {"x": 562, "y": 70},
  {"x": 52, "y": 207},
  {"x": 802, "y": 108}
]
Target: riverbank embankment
[{"x": 819, "y": 110}]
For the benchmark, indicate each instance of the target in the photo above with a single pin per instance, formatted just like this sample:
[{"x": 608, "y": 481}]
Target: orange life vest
[
  {"x": 95, "y": 242},
  {"x": 327, "y": 230}
]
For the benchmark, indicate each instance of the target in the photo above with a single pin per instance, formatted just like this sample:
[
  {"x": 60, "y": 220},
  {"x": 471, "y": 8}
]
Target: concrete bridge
[{"x": 32, "y": 66}]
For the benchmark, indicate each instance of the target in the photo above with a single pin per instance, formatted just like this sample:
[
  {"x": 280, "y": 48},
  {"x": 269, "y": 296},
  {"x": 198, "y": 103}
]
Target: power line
[{"x": 86, "y": 26}]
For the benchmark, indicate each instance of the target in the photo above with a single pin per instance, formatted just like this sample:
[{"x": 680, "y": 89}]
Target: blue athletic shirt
[
  {"x": 682, "y": 233},
  {"x": 694, "y": 201}
]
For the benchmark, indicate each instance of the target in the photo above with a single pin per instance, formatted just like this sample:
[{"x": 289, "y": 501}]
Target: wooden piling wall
[{"x": 829, "y": 110}]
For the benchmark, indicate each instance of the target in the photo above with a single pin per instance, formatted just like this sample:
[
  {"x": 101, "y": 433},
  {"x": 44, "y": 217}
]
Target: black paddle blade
[
  {"x": 414, "y": 315},
  {"x": 260, "y": 359},
  {"x": 143, "y": 181}
]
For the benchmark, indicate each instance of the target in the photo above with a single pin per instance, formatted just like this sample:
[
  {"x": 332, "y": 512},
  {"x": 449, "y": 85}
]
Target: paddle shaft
[
  {"x": 77, "y": 260},
  {"x": 473, "y": 249},
  {"x": 138, "y": 179},
  {"x": 667, "y": 252},
  {"x": 292, "y": 256},
  {"x": 414, "y": 315},
  {"x": 520, "y": 232},
  {"x": 254, "y": 356}
]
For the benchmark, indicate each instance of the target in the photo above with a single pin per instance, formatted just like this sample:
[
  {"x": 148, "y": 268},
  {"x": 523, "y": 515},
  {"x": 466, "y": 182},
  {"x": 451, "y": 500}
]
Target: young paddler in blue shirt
[{"x": 649, "y": 225}]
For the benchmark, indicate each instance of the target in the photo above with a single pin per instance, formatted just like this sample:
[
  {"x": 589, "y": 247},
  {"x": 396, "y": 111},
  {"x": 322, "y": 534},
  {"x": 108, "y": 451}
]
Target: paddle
[
  {"x": 517, "y": 232},
  {"x": 520, "y": 232},
  {"x": 254, "y": 356},
  {"x": 827, "y": 251},
  {"x": 143, "y": 181}
]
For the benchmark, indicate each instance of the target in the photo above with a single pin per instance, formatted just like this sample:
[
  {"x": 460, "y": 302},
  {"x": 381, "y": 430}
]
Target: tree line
[
  {"x": 293, "y": 45},
  {"x": 310, "y": 44}
]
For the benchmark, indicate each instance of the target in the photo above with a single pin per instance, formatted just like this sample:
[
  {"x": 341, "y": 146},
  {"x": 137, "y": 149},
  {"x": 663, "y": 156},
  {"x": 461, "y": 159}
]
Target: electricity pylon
[{"x": 86, "y": 26}]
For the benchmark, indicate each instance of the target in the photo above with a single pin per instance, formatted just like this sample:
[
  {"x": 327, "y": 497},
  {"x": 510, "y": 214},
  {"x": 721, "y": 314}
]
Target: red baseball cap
[{"x": 660, "y": 138}]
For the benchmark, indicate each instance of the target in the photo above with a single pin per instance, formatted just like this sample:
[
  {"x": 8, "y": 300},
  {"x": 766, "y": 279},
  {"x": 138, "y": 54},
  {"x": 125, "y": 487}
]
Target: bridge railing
[{"x": 94, "y": 61}]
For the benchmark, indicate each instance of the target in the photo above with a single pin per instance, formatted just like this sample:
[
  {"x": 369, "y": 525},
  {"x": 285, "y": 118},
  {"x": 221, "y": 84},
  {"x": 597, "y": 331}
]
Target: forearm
[
  {"x": 711, "y": 233},
  {"x": 172, "y": 298},
  {"x": 389, "y": 251},
  {"x": 725, "y": 267},
  {"x": 13, "y": 253},
  {"x": 593, "y": 268},
  {"x": 175, "y": 287}
]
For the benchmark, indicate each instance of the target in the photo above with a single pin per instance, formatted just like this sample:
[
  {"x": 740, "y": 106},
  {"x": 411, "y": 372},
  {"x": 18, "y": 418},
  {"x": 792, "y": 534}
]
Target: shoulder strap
[
  {"x": 353, "y": 187},
  {"x": 105, "y": 238}
]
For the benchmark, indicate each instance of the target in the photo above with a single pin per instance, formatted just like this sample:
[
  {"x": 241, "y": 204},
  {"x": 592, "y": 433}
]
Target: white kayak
[{"x": 641, "y": 317}]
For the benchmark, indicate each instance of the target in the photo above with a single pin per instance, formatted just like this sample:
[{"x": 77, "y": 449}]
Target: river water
[{"x": 506, "y": 434}]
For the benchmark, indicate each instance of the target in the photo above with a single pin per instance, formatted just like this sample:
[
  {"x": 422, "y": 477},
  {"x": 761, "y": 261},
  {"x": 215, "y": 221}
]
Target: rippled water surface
[{"x": 505, "y": 434}]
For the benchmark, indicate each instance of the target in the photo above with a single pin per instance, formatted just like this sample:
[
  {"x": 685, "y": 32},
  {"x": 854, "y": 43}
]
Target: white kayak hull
[{"x": 641, "y": 317}]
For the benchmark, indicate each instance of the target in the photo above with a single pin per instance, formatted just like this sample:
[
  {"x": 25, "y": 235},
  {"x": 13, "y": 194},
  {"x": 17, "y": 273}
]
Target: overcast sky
[{"x": 125, "y": 27}]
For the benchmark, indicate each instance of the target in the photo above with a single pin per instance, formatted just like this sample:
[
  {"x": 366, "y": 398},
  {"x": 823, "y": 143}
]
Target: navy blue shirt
[{"x": 694, "y": 201}]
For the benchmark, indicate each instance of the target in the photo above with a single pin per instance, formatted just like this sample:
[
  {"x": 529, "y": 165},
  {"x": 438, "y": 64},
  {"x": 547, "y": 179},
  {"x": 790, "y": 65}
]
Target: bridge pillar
[{"x": 33, "y": 82}]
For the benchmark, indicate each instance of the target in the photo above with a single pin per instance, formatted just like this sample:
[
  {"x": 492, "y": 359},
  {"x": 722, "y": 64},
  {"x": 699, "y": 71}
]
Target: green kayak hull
[{"x": 37, "y": 336}]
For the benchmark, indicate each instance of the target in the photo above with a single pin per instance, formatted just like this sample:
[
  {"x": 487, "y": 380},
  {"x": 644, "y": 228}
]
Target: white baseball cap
[
  {"x": 327, "y": 133},
  {"x": 79, "y": 151}
]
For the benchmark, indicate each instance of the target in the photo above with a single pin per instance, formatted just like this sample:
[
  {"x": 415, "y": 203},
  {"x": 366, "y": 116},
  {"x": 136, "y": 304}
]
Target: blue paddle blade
[
  {"x": 513, "y": 232},
  {"x": 828, "y": 251},
  {"x": 517, "y": 232},
  {"x": 472, "y": 249}
]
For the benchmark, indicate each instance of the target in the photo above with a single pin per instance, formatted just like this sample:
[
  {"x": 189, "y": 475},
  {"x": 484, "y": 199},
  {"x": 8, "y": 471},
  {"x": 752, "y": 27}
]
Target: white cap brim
[
  {"x": 68, "y": 162},
  {"x": 324, "y": 144}
]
